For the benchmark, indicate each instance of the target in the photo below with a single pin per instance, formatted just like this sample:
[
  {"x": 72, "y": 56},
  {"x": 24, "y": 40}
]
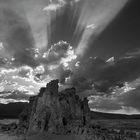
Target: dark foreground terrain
[{"x": 129, "y": 129}]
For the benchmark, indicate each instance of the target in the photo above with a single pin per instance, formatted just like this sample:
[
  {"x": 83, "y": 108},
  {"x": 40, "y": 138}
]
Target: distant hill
[
  {"x": 100, "y": 115},
  {"x": 11, "y": 110}
]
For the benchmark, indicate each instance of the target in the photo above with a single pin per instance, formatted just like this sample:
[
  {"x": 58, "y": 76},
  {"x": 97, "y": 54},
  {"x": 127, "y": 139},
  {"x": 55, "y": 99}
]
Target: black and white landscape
[{"x": 69, "y": 70}]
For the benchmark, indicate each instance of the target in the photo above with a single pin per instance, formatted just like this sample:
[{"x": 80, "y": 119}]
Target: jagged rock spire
[
  {"x": 56, "y": 112},
  {"x": 53, "y": 86}
]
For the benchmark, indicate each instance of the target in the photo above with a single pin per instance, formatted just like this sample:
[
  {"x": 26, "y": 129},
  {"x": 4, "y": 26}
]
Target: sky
[{"x": 91, "y": 45}]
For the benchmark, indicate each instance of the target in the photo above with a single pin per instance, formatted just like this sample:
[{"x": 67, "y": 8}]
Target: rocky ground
[
  {"x": 6, "y": 136},
  {"x": 8, "y": 132}
]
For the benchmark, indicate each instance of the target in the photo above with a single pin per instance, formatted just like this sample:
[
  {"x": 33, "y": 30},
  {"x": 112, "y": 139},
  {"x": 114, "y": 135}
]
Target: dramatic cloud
[
  {"x": 120, "y": 102},
  {"x": 96, "y": 21},
  {"x": 1, "y": 46},
  {"x": 17, "y": 37},
  {"x": 58, "y": 51},
  {"x": 16, "y": 95},
  {"x": 85, "y": 73},
  {"x": 64, "y": 25},
  {"x": 3, "y": 62},
  {"x": 54, "y": 5},
  {"x": 107, "y": 74},
  {"x": 25, "y": 71},
  {"x": 20, "y": 43},
  {"x": 22, "y": 79},
  {"x": 111, "y": 60},
  {"x": 125, "y": 69},
  {"x": 41, "y": 40}
]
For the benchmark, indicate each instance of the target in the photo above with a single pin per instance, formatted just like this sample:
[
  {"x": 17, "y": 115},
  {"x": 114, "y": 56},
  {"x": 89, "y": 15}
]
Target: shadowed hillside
[{"x": 11, "y": 110}]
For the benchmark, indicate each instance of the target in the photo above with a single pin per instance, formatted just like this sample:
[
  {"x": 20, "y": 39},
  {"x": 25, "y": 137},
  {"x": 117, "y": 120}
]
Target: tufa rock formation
[
  {"x": 54, "y": 112},
  {"x": 63, "y": 113}
]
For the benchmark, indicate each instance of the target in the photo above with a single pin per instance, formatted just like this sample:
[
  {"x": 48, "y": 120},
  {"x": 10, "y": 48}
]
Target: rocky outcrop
[
  {"x": 63, "y": 113},
  {"x": 55, "y": 112}
]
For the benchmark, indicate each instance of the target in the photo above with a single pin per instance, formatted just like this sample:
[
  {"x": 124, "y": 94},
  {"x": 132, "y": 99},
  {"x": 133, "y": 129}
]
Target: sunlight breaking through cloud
[
  {"x": 54, "y": 6},
  {"x": 45, "y": 40},
  {"x": 98, "y": 22}
]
